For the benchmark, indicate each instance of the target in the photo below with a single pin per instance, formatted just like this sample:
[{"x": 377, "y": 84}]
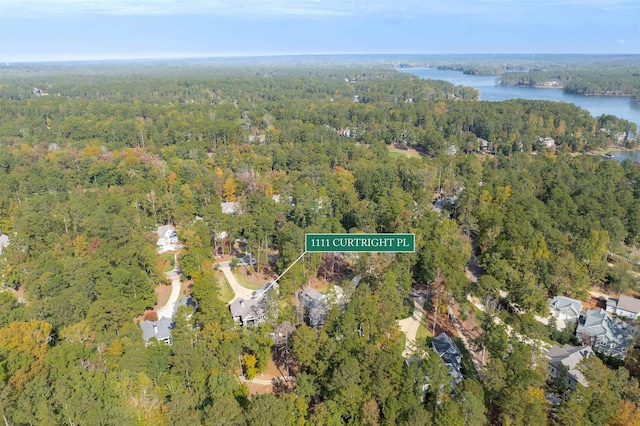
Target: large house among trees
[
  {"x": 607, "y": 335},
  {"x": 444, "y": 346},
  {"x": 563, "y": 363},
  {"x": 167, "y": 238},
  {"x": 565, "y": 310}
]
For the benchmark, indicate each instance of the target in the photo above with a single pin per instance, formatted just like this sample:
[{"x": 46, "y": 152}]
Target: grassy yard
[
  {"x": 168, "y": 260},
  {"x": 245, "y": 281},
  {"x": 226, "y": 293},
  {"x": 397, "y": 153},
  {"x": 423, "y": 332}
]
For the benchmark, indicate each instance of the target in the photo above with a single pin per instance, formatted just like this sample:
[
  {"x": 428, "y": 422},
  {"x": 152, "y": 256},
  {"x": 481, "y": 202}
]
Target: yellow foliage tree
[
  {"x": 249, "y": 363},
  {"x": 80, "y": 332},
  {"x": 229, "y": 189}
]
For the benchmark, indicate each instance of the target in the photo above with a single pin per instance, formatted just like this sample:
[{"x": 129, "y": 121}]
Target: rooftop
[
  {"x": 570, "y": 357},
  {"x": 162, "y": 230},
  {"x": 629, "y": 303},
  {"x": 562, "y": 302}
]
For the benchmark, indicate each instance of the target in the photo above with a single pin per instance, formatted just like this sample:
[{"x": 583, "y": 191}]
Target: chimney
[{"x": 155, "y": 328}]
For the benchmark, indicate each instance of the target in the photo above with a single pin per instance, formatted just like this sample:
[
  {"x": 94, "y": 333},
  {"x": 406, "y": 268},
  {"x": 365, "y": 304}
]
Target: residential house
[
  {"x": 167, "y": 238},
  {"x": 546, "y": 142},
  {"x": 278, "y": 199},
  {"x": 161, "y": 329},
  {"x": 565, "y": 310},
  {"x": 231, "y": 207},
  {"x": 4, "y": 241},
  {"x": 248, "y": 312},
  {"x": 315, "y": 305},
  {"x": 483, "y": 145},
  {"x": 446, "y": 348},
  {"x": 624, "y": 306},
  {"x": 606, "y": 334},
  {"x": 564, "y": 361},
  {"x": 188, "y": 302},
  {"x": 247, "y": 260}
]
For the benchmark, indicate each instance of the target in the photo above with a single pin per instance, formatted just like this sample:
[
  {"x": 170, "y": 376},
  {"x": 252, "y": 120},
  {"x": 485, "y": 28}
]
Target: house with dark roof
[
  {"x": 565, "y": 310},
  {"x": 446, "y": 348},
  {"x": 563, "y": 361},
  {"x": 604, "y": 333},
  {"x": 624, "y": 306},
  {"x": 247, "y": 260},
  {"x": 315, "y": 305}
]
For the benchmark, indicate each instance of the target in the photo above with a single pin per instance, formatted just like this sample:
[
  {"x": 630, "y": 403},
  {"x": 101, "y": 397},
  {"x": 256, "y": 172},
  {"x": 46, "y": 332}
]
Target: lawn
[
  {"x": 246, "y": 281},
  {"x": 397, "y": 153},
  {"x": 422, "y": 332},
  {"x": 226, "y": 293},
  {"x": 168, "y": 261}
]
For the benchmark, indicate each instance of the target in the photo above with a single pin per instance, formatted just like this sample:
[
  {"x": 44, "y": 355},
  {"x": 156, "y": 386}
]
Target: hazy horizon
[{"x": 84, "y": 30}]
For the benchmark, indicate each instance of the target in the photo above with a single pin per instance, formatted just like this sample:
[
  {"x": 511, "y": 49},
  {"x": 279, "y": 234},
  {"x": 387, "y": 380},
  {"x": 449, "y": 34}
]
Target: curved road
[{"x": 167, "y": 310}]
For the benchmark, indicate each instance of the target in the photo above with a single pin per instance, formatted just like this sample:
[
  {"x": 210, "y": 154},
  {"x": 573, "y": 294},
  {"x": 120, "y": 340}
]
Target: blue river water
[
  {"x": 624, "y": 155},
  {"x": 491, "y": 91}
]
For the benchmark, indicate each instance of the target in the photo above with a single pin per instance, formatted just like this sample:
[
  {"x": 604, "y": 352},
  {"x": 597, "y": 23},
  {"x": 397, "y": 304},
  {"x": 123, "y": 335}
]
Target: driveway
[
  {"x": 409, "y": 326},
  {"x": 240, "y": 292},
  {"x": 167, "y": 310}
]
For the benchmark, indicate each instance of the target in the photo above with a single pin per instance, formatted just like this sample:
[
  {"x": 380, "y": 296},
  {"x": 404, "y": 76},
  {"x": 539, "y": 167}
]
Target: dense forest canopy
[{"x": 92, "y": 162}]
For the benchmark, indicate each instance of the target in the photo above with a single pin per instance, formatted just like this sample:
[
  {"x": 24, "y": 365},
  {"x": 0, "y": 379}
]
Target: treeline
[
  {"x": 368, "y": 105},
  {"x": 616, "y": 81},
  {"x": 614, "y": 75},
  {"x": 543, "y": 225}
]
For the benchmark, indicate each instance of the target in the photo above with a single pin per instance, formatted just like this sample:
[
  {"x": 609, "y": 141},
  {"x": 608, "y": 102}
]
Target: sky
[{"x": 60, "y": 30}]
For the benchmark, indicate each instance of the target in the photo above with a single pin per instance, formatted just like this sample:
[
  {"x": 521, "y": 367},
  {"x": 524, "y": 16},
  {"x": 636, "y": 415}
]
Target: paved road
[
  {"x": 167, "y": 310},
  {"x": 268, "y": 382},
  {"x": 597, "y": 294},
  {"x": 240, "y": 292},
  {"x": 409, "y": 326}
]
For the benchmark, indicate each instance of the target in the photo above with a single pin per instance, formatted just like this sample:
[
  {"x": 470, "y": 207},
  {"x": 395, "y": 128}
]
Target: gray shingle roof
[
  {"x": 160, "y": 329},
  {"x": 248, "y": 311},
  {"x": 162, "y": 230},
  {"x": 609, "y": 333},
  {"x": 570, "y": 357},
  {"x": 628, "y": 303},
  {"x": 563, "y": 303},
  {"x": 450, "y": 354}
]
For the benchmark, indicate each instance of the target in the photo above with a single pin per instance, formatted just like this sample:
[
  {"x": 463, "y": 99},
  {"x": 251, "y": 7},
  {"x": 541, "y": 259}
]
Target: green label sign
[{"x": 360, "y": 242}]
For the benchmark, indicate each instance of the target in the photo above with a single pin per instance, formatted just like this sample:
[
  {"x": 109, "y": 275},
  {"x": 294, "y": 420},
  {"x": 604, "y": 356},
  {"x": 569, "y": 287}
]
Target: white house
[
  {"x": 167, "y": 238},
  {"x": 4, "y": 241},
  {"x": 565, "y": 310},
  {"x": 624, "y": 306}
]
